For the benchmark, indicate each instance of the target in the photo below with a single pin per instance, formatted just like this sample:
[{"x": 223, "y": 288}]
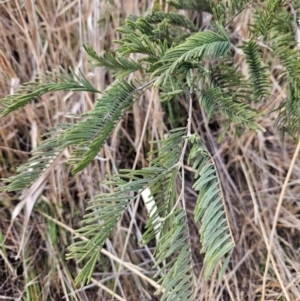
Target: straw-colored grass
[{"x": 260, "y": 172}]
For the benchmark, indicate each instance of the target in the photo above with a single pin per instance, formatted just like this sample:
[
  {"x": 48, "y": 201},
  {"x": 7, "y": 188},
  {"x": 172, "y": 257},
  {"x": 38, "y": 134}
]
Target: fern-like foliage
[
  {"x": 180, "y": 61},
  {"x": 57, "y": 80},
  {"x": 106, "y": 209},
  {"x": 195, "y": 49},
  {"x": 216, "y": 237},
  {"x": 202, "y": 5},
  {"x": 259, "y": 76},
  {"x": 138, "y": 35},
  {"x": 172, "y": 18},
  {"x": 266, "y": 17},
  {"x": 174, "y": 244},
  {"x": 162, "y": 187},
  {"x": 286, "y": 49},
  {"x": 225, "y": 11},
  {"x": 90, "y": 134},
  {"x": 230, "y": 80},
  {"x": 120, "y": 66},
  {"x": 42, "y": 158},
  {"x": 103, "y": 214},
  {"x": 232, "y": 109},
  {"x": 228, "y": 94}
]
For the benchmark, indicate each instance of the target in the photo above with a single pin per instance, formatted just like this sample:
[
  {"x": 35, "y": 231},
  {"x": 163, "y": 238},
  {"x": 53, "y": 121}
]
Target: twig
[
  {"x": 180, "y": 163},
  {"x": 189, "y": 126}
]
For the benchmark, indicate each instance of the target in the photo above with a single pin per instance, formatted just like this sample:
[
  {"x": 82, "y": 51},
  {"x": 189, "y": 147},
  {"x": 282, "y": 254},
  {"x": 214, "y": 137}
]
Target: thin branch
[
  {"x": 180, "y": 163},
  {"x": 189, "y": 126}
]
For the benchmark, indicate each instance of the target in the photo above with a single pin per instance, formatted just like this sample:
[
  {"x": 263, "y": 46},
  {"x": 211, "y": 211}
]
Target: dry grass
[{"x": 260, "y": 173}]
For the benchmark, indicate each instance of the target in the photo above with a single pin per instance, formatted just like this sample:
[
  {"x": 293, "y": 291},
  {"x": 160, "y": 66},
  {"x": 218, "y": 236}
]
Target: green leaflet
[
  {"x": 266, "y": 17},
  {"x": 225, "y": 12},
  {"x": 285, "y": 47},
  {"x": 107, "y": 208},
  {"x": 197, "y": 47},
  {"x": 203, "y": 5},
  {"x": 105, "y": 211},
  {"x": 177, "y": 281},
  {"x": 90, "y": 134},
  {"x": 173, "y": 18},
  {"x": 216, "y": 239},
  {"x": 57, "y": 80},
  {"x": 259, "y": 76},
  {"x": 42, "y": 159},
  {"x": 234, "y": 110},
  {"x": 120, "y": 66}
]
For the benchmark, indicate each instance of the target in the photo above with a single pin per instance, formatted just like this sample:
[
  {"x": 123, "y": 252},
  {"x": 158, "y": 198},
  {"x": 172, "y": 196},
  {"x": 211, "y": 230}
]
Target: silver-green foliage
[
  {"x": 216, "y": 238},
  {"x": 57, "y": 80},
  {"x": 178, "y": 61},
  {"x": 90, "y": 134}
]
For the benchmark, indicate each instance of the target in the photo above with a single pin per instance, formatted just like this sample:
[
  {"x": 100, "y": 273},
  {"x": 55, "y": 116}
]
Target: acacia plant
[{"x": 179, "y": 59}]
